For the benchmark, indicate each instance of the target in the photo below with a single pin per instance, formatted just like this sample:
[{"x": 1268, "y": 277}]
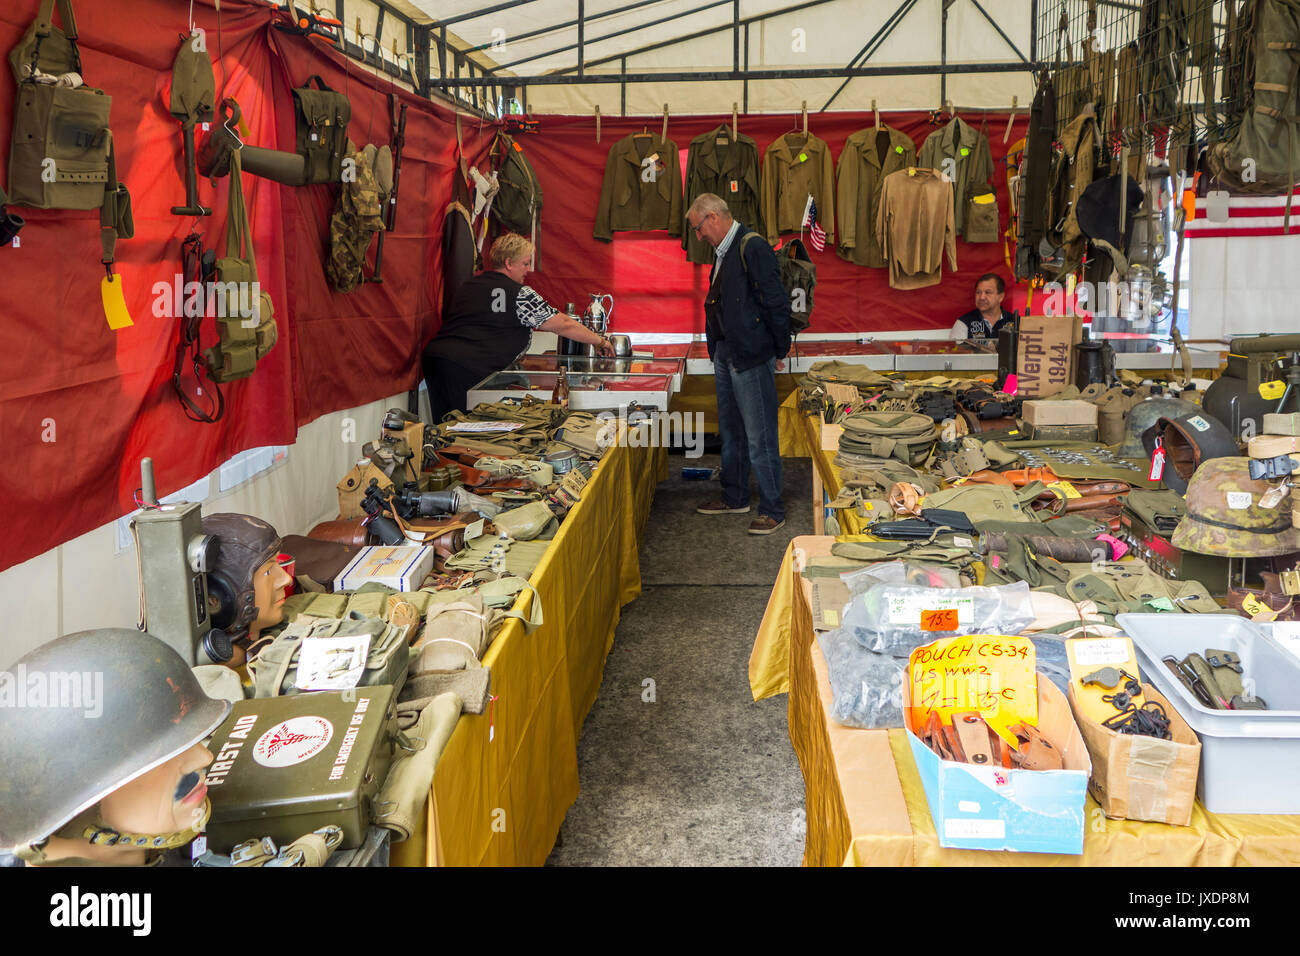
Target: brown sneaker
[
  {"x": 765, "y": 524},
  {"x": 720, "y": 507}
]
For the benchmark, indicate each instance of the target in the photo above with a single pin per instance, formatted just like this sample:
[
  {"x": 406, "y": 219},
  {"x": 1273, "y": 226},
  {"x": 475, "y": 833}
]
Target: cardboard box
[
  {"x": 1045, "y": 354},
  {"x": 1142, "y": 778},
  {"x": 1057, "y": 412},
  {"x": 403, "y": 568},
  {"x": 992, "y": 808}
]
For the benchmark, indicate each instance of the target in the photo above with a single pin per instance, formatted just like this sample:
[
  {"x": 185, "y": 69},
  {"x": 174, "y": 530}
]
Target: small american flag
[{"x": 816, "y": 235}]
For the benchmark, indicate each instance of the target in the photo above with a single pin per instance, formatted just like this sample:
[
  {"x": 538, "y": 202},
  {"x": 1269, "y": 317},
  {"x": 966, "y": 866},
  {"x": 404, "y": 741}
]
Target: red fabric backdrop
[
  {"x": 80, "y": 404},
  {"x": 656, "y": 289}
]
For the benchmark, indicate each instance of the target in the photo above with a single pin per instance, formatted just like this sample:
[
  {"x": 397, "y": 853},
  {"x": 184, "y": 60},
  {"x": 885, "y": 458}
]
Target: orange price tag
[
  {"x": 944, "y": 619},
  {"x": 518, "y": 148}
]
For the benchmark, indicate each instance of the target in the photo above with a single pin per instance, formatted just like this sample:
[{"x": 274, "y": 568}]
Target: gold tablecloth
[
  {"x": 865, "y": 804},
  {"x": 508, "y": 776}
]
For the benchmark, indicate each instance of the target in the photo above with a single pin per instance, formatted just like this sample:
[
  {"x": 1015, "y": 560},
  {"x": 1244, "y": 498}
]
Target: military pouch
[
  {"x": 61, "y": 154},
  {"x": 531, "y": 521},
  {"x": 981, "y": 224},
  {"x": 245, "y": 314},
  {"x": 586, "y": 433},
  {"x": 322, "y": 122},
  {"x": 275, "y": 669}
]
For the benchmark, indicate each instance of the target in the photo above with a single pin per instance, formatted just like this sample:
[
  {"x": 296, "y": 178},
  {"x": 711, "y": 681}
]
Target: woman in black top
[{"x": 490, "y": 322}]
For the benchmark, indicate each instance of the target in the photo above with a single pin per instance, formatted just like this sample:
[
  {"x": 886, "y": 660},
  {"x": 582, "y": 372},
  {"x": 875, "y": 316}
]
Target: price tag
[
  {"x": 1157, "y": 462},
  {"x": 17, "y": 242},
  {"x": 991, "y": 673},
  {"x": 198, "y": 847},
  {"x": 735, "y": 186},
  {"x": 965, "y": 151},
  {"x": 1257, "y": 609},
  {"x": 898, "y": 150},
  {"x": 803, "y": 157},
  {"x": 1239, "y": 500},
  {"x": 943, "y": 619},
  {"x": 1069, "y": 490},
  {"x": 206, "y": 127}
]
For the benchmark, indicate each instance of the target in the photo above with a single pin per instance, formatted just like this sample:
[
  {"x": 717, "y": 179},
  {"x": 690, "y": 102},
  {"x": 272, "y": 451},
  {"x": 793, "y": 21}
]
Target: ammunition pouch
[
  {"x": 275, "y": 669},
  {"x": 531, "y": 521},
  {"x": 246, "y": 325},
  {"x": 322, "y": 122}
]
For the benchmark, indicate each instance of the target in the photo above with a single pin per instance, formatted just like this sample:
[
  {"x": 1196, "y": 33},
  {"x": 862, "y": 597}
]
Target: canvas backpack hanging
[
  {"x": 61, "y": 155},
  {"x": 322, "y": 130}
]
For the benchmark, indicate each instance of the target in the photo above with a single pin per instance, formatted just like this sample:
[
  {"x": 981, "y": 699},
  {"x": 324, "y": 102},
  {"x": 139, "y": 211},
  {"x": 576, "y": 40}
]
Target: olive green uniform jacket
[
  {"x": 642, "y": 188},
  {"x": 868, "y": 156},
  {"x": 971, "y": 160},
  {"x": 794, "y": 168},
  {"x": 726, "y": 167}
]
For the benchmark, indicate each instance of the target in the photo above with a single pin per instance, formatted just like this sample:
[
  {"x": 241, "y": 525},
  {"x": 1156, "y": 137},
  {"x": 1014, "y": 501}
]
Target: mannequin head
[
  {"x": 269, "y": 582},
  {"x": 246, "y": 583},
  {"x": 113, "y": 776},
  {"x": 170, "y": 798}
]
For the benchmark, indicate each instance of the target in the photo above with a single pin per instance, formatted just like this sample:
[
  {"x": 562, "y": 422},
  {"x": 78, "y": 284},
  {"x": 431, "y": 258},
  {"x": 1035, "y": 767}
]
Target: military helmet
[
  {"x": 1142, "y": 416},
  {"x": 244, "y": 544},
  {"x": 1225, "y": 517},
  {"x": 85, "y": 715},
  {"x": 1189, "y": 442}
]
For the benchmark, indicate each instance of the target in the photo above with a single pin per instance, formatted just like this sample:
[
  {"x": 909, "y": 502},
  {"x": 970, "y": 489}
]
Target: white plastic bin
[{"x": 1250, "y": 759}]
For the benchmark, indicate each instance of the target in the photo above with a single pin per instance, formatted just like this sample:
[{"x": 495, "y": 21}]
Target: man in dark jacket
[{"x": 747, "y": 327}]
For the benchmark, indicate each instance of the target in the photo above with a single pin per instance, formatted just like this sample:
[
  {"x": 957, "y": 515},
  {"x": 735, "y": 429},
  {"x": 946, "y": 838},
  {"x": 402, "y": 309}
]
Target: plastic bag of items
[
  {"x": 866, "y": 688},
  {"x": 895, "y": 619}
]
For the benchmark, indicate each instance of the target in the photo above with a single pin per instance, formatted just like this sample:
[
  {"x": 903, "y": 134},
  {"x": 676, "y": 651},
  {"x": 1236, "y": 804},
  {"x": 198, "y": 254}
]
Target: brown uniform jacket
[
  {"x": 867, "y": 158},
  {"x": 728, "y": 168},
  {"x": 788, "y": 180},
  {"x": 914, "y": 227},
  {"x": 642, "y": 188},
  {"x": 972, "y": 160}
]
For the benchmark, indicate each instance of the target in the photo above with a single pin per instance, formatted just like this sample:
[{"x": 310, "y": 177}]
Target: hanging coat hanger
[
  {"x": 875, "y": 113},
  {"x": 597, "y": 122},
  {"x": 1011, "y": 118},
  {"x": 664, "y": 135},
  {"x": 734, "y": 131},
  {"x": 644, "y": 134}
]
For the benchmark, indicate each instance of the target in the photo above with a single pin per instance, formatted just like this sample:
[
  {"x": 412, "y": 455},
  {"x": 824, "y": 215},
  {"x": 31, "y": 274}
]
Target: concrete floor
[{"x": 678, "y": 764}]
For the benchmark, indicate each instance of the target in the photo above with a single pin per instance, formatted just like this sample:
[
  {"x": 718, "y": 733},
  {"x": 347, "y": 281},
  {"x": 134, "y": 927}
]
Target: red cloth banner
[{"x": 80, "y": 405}]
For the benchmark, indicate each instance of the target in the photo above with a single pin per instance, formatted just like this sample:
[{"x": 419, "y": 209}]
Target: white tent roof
[{"x": 531, "y": 38}]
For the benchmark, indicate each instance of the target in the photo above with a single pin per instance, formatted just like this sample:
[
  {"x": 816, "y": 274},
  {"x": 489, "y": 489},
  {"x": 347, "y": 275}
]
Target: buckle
[{"x": 250, "y": 850}]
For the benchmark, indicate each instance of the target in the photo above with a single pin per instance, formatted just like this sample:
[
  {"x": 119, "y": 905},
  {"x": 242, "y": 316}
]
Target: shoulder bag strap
[
  {"x": 45, "y": 25},
  {"x": 239, "y": 239}
]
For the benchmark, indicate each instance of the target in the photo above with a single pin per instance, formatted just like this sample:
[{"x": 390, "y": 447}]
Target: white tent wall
[{"x": 87, "y": 582}]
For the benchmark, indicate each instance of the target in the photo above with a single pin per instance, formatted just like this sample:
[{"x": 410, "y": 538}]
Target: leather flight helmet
[
  {"x": 1142, "y": 416},
  {"x": 244, "y": 544},
  {"x": 1189, "y": 442},
  {"x": 113, "y": 704},
  {"x": 1226, "y": 517}
]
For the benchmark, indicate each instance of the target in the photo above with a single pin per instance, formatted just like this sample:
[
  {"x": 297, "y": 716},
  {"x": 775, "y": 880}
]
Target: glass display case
[{"x": 589, "y": 390}]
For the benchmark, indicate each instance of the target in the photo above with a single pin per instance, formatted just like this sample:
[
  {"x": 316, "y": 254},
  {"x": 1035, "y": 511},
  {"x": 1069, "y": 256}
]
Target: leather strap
[{"x": 1277, "y": 527}]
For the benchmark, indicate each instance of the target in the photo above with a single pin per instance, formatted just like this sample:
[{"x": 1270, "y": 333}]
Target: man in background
[
  {"x": 747, "y": 329},
  {"x": 988, "y": 317}
]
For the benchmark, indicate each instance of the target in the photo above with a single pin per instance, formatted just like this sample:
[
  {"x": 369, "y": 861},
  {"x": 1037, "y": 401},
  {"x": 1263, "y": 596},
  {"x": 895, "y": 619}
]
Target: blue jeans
[{"x": 747, "y": 423}]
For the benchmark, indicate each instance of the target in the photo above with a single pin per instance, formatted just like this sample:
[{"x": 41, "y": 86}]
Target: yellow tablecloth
[
  {"x": 866, "y": 807},
  {"x": 508, "y": 776}
]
